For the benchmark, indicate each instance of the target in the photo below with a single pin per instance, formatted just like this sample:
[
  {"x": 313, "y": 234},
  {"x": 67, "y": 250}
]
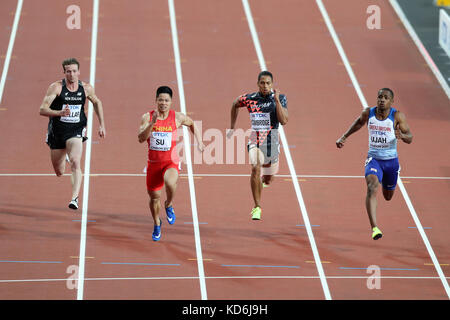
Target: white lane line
[
  {"x": 228, "y": 277},
  {"x": 12, "y": 39},
  {"x": 87, "y": 163},
  {"x": 287, "y": 153},
  {"x": 400, "y": 183},
  {"x": 187, "y": 144},
  {"x": 423, "y": 51},
  {"x": 206, "y": 175}
]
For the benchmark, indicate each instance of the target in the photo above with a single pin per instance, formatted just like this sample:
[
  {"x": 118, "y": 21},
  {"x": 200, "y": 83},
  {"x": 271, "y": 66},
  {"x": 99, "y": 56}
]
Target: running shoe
[
  {"x": 170, "y": 215},
  {"x": 156, "y": 236},
  {"x": 265, "y": 185},
  {"x": 256, "y": 213},
  {"x": 74, "y": 204},
  {"x": 376, "y": 234}
]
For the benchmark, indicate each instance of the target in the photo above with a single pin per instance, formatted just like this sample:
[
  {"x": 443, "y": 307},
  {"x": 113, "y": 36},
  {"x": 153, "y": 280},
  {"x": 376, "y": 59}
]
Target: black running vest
[{"x": 75, "y": 101}]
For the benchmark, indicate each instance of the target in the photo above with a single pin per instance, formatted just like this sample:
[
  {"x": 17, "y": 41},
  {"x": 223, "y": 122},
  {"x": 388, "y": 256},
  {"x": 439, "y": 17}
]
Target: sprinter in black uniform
[
  {"x": 64, "y": 105},
  {"x": 267, "y": 109}
]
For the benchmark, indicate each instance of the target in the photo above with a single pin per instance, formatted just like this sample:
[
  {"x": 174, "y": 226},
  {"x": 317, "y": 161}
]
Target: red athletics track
[
  {"x": 220, "y": 65},
  {"x": 36, "y": 227},
  {"x": 322, "y": 105},
  {"x": 135, "y": 57}
]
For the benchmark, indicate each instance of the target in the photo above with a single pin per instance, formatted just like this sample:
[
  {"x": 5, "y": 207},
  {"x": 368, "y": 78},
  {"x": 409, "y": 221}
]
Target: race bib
[
  {"x": 161, "y": 141},
  {"x": 260, "y": 121},
  {"x": 74, "y": 117}
]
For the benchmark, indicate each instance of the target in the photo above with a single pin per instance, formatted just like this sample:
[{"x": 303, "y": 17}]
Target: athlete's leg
[
  {"x": 391, "y": 169},
  {"x": 75, "y": 150},
  {"x": 371, "y": 198},
  {"x": 58, "y": 157},
  {"x": 155, "y": 205},
  {"x": 388, "y": 194},
  {"x": 256, "y": 158},
  {"x": 170, "y": 181},
  {"x": 268, "y": 172}
]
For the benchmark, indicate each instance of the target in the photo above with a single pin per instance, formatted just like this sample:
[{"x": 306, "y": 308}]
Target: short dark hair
[
  {"x": 69, "y": 61},
  {"x": 265, "y": 73},
  {"x": 164, "y": 89},
  {"x": 389, "y": 90}
]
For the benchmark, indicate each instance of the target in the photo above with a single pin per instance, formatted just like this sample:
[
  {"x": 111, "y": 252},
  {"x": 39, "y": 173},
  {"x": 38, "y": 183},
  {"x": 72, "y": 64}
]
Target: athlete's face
[
  {"x": 384, "y": 100},
  {"x": 265, "y": 85},
  {"x": 164, "y": 102},
  {"x": 72, "y": 73}
]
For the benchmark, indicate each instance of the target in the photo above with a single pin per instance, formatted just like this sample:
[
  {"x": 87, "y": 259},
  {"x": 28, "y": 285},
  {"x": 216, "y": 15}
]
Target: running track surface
[{"x": 242, "y": 259}]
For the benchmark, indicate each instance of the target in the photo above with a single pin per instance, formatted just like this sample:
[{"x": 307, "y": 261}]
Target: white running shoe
[{"x": 74, "y": 204}]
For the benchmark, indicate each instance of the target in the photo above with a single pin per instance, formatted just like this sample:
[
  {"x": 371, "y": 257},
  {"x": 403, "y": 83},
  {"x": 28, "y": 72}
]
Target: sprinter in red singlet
[{"x": 159, "y": 129}]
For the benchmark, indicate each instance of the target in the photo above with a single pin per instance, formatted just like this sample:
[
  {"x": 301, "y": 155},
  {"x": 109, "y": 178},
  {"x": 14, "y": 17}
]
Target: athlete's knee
[
  {"x": 59, "y": 172},
  {"x": 267, "y": 179},
  {"x": 388, "y": 194},
  {"x": 372, "y": 186},
  {"x": 75, "y": 163},
  {"x": 256, "y": 169}
]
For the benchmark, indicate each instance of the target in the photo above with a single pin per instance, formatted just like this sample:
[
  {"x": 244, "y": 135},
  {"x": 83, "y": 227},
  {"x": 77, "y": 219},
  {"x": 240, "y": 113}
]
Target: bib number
[
  {"x": 260, "y": 121},
  {"x": 161, "y": 141},
  {"x": 74, "y": 117}
]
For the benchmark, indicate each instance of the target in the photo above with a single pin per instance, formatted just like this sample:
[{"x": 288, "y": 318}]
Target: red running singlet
[{"x": 162, "y": 151}]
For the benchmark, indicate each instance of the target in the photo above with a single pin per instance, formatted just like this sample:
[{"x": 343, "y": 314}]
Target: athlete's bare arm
[
  {"x": 146, "y": 126},
  {"x": 98, "y": 107},
  {"x": 356, "y": 125},
  {"x": 402, "y": 130},
  {"x": 234, "y": 113},
  {"x": 52, "y": 92},
  {"x": 184, "y": 120},
  {"x": 282, "y": 113}
]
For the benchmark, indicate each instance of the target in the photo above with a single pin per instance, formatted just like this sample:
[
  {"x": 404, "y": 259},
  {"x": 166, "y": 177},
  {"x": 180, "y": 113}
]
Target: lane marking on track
[
  {"x": 258, "y": 266},
  {"x": 87, "y": 163},
  {"x": 228, "y": 277},
  {"x": 287, "y": 153},
  {"x": 12, "y": 39},
  {"x": 390, "y": 269},
  {"x": 198, "y": 175},
  {"x": 143, "y": 264},
  {"x": 187, "y": 144},
  {"x": 423, "y": 51},
  {"x": 302, "y": 225},
  {"x": 37, "y": 261},
  {"x": 365, "y": 105}
]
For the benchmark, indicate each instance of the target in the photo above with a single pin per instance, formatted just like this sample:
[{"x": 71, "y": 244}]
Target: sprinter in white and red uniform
[
  {"x": 159, "y": 128},
  {"x": 386, "y": 125}
]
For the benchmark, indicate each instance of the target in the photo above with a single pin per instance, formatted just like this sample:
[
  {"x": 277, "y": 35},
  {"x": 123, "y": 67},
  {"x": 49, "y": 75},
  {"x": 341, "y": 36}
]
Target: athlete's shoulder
[
  {"x": 248, "y": 95},
  {"x": 55, "y": 87},
  {"x": 398, "y": 114},
  {"x": 146, "y": 116},
  {"x": 179, "y": 115},
  {"x": 86, "y": 85},
  {"x": 56, "y": 84}
]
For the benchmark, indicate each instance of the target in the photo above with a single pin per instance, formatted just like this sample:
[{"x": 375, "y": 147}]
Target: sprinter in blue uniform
[{"x": 386, "y": 125}]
